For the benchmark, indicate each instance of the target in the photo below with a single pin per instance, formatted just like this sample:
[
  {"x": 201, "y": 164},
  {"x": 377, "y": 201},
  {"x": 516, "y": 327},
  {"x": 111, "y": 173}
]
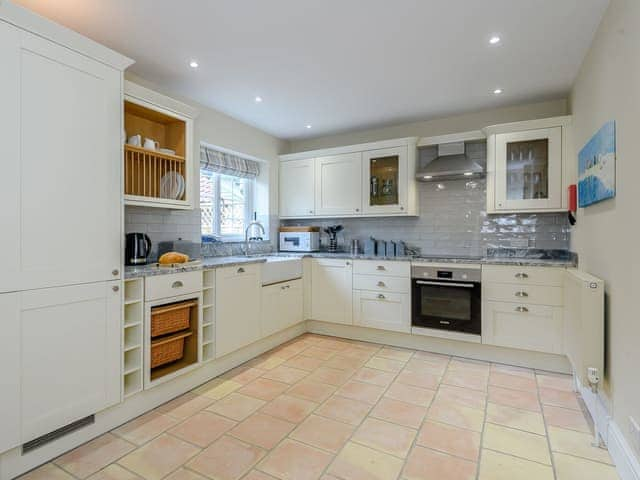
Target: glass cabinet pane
[
  {"x": 383, "y": 180},
  {"x": 528, "y": 169}
]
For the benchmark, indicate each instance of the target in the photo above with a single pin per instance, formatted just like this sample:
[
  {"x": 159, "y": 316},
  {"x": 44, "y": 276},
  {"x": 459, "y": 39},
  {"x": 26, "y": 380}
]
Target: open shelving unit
[
  {"x": 208, "y": 315},
  {"x": 132, "y": 337}
]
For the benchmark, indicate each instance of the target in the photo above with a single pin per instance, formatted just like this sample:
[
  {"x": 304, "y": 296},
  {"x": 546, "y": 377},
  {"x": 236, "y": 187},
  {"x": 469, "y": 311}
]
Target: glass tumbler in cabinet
[{"x": 385, "y": 177}]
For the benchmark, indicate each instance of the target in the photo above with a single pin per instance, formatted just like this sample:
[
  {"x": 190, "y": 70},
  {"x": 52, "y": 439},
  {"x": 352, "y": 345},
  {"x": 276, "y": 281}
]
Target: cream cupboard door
[
  {"x": 69, "y": 354},
  {"x": 237, "y": 307},
  {"x": 9, "y": 370},
  {"x": 386, "y": 311},
  {"x": 339, "y": 184},
  {"x": 61, "y": 123},
  {"x": 297, "y": 188},
  {"x": 281, "y": 306},
  {"x": 331, "y": 282}
]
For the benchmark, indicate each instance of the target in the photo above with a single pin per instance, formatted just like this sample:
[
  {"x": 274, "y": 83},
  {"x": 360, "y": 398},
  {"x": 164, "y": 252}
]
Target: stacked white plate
[{"x": 172, "y": 186}]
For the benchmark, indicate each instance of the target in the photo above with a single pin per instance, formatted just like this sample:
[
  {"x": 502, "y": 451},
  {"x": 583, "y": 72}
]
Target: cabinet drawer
[
  {"x": 535, "y": 294},
  {"x": 171, "y": 285},
  {"x": 382, "y": 268},
  {"x": 550, "y": 276},
  {"x": 379, "y": 283},
  {"x": 523, "y": 326},
  {"x": 388, "y": 311}
]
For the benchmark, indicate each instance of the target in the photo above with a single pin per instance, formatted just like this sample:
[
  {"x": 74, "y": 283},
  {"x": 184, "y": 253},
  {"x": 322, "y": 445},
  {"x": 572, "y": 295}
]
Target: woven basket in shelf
[
  {"x": 168, "y": 349},
  {"x": 171, "y": 318}
]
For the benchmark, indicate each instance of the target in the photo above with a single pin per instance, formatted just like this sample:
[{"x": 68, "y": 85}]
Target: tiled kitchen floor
[{"x": 321, "y": 407}]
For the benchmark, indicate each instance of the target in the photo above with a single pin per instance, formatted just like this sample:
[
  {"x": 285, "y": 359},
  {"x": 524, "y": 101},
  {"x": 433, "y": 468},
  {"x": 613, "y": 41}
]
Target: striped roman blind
[{"x": 227, "y": 163}]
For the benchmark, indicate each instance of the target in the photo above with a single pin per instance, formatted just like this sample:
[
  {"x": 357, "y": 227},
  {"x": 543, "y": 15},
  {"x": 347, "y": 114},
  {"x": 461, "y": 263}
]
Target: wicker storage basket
[
  {"x": 171, "y": 318},
  {"x": 168, "y": 349}
]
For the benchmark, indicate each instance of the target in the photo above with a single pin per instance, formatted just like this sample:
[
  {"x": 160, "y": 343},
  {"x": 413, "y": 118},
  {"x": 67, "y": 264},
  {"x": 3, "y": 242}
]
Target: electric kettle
[{"x": 138, "y": 249}]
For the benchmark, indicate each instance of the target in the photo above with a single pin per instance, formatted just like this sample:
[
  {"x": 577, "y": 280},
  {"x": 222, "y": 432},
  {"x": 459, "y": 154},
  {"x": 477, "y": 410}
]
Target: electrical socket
[{"x": 634, "y": 430}]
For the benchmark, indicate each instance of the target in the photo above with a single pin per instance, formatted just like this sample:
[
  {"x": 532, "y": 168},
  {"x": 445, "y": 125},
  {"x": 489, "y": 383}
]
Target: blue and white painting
[{"x": 597, "y": 167}]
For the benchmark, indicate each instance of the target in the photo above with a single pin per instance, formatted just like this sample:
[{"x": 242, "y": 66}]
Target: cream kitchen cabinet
[
  {"x": 385, "y": 180},
  {"x": 62, "y": 126},
  {"x": 338, "y": 184},
  {"x": 331, "y": 282},
  {"x": 281, "y": 306},
  {"x": 237, "y": 307},
  {"x": 10, "y": 435},
  {"x": 386, "y": 311},
  {"x": 297, "y": 184}
]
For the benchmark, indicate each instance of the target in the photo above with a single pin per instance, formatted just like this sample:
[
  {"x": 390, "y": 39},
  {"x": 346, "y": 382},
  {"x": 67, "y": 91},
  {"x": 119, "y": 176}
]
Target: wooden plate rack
[{"x": 145, "y": 168}]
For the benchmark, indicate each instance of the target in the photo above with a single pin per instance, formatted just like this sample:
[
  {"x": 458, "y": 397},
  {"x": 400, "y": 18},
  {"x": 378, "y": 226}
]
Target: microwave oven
[{"x": 299, "y": 241}]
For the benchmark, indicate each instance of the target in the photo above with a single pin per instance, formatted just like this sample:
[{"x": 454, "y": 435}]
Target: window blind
[{"x": 227, "y": 164}]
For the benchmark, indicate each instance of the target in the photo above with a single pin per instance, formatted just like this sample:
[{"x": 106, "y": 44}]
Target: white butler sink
[{"x": 280, "y": 269}]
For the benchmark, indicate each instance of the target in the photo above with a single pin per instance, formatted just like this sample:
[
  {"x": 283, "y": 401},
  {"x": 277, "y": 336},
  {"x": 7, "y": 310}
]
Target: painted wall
[
  {"x": 441, "y": 126},
  {"x": 608, "y": 88}
]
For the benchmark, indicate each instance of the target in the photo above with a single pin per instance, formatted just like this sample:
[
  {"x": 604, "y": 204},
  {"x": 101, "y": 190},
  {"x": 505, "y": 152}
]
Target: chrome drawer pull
[
  {"x": 380, "y": 267},
  {"x": 177, "y": 284},
  {"x": 241, "y": 270},
  {"x": 522, "y": 294},
  {"x": 115, "y": 272},
  {"x": 115, "y": 288},
  {"x": 284, "y": 287},
  {"x": 381, "y": 297},
  {"x": 445, "y": 322},
  {"x": 381, "y": 284},
  {"x": 522, "y": 275},
  {"x": 522, "y": 309}
]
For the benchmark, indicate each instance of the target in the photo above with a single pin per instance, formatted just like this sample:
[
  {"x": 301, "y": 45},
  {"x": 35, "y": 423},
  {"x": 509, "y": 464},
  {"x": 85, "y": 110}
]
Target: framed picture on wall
[{"x": 597, "y": 167}]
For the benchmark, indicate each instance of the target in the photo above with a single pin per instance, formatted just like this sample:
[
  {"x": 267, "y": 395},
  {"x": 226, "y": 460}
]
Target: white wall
[{"x": 606, "y": 235}]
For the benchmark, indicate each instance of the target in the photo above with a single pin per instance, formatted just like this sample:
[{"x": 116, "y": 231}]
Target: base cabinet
[
  {"x": 331, "y": 281},
  {"x": 237, "y": 307},
  {"x": 281, "y": 306},
  {"x": 386, "y": 311}
]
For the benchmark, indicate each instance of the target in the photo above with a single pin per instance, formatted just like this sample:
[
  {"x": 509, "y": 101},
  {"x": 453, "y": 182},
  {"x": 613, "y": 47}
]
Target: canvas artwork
[{"x": 597, "y": 167}]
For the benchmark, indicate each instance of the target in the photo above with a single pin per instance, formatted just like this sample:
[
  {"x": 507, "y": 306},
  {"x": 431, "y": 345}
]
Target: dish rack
[{"x": 150, "y": 173}]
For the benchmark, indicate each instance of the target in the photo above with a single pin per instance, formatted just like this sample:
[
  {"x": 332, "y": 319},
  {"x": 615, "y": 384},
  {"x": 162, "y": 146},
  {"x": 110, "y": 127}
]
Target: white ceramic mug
[
  {"x": 135, "y": 140},
  {"x": 151, "y": 144}
]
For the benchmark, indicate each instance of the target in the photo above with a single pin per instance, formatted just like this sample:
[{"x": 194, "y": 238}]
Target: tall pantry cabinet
[{"x": 60, "y": 298}]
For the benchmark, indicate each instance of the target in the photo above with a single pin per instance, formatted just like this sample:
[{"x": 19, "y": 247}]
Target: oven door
[{"x": 447, "y": 305}]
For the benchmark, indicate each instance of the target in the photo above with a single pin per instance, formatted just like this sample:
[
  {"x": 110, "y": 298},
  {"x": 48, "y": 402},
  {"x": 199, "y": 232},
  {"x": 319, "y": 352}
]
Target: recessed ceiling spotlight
[
  {"x": 258, "y": 99},
  {"x": 497, "y": 91},
  {"x": 494, "y": 40},
  {"x": 193, "y": 64},
  {"x": 307, "y": 127}
]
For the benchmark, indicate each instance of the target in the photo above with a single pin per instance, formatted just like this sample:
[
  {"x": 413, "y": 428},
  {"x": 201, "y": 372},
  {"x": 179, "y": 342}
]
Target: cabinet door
[
  {"x": 331, "y": 300},
  {"x": 386, "y": 311},
  {"x": 297, "y": 188},
  {"x": 281, "y": 306},
  {"x": 61, "y": 123},
  {"x": 529, "y": 169},
  {"x": 339, "y": 184},
  {"x": 237, "y": 307},
  {"x": 385, "y": 181},
  {"x": 270, "y": 321},
  {"x": 524, "y": 326},
  {"x": 291, "y": 299},
  {"x": 69, "y": 354},
  {"x": 9, "y": 370}
]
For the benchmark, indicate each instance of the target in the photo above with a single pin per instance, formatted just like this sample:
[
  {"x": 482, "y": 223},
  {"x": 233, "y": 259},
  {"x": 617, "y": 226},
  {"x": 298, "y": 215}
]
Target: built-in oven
[{"x": 446, "y": 298}]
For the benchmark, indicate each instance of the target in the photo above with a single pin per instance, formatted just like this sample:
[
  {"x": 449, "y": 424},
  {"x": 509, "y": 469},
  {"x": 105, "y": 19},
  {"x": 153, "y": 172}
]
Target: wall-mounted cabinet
[
  {"x": 158, "y": 150},
  {"x": 527, "y": 166},
  {"x": 373, "y": 179}
]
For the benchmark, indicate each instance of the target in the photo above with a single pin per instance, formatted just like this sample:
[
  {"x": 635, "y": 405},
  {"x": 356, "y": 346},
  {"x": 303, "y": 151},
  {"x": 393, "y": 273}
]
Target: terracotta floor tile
[
  {"x": 559, "y": 398},
  {"x": 565, "y": 418},
  {"x": 555, "y": 380},
  {"x": 478, "y": 367},
  {"x": 115, "y": 472},
  {"x": 515, "y": 418},
  {"x": 498, "y": 466},
  {"x": 358, "y": 352},
  {"x": 357, "y": 462},
  {"x": 258, "y": 475},
  {"x": 400, "y": 354},
  {"x": 289, "y": 408},
  {"x": 514, "y": 398},
  {"x": 363, "y": 392},
  {"x": 431, "y": 357},
  {"x": 384, "y": 364},
  {"x": 514, "y": 382},
  {"x": 330, "y": 376},
  {"x": 266, "y": 361},
  {"x": 457, "y": 415},
  {"x": 314, "y": 391},
  {"x": 323, "y": 433},
  {"x": 262, "y": 430},
  {"x": 344, "y": 410},
  {"x": 203, "y": 428},
  {"x": 407, "y": 393},
  {"x": 243, "y": 374},
  {"x": 217, "y": 388},
  {"x": 264, "y": 389},
  {"x": 455, "y": 441},
  {"x": 344, "y": 363},
  {"x": 402, "y": 413},
  {"x": 185, "y": 405},
  {"x": 373, "y": 376},
  {"x": 94, "y": 455},
  {"x": 295, "y": 461},
  {"x": 318, "y": 352},
  {"x": 463, "y": 396},
  {"x": 286, "y": 374},
  {"x": 384, "y": 436},
  {"x": 465, "y": 379},
  {"x": 573, "y": 468},
  {"x": 304, "y": 363},
  {"x": 419, "y": 379},
  {"x": 425, "y": 464},
  {"x": 159, "y": 457},
  {"x": 184, "y": 474},
  {"x": 46, "y": 472},
  {"x": 420, "y": 366},
  {"x": 236, "y": 406},
  {"x": 226, "y": 459},
  {"x": 142, "y": 429},
  {"x": 577, "y": 444},
  {"x": 529, "y": 446}
]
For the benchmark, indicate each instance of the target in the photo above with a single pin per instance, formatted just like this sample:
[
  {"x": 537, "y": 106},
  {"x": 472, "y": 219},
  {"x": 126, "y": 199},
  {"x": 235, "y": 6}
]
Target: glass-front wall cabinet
[
  {"x": 529, "y": 169},
  {"x": 385, "y": 180}
]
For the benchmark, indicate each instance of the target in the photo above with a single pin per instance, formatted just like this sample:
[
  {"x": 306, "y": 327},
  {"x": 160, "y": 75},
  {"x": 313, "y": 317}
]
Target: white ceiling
[{"x": 343, "y": 64}]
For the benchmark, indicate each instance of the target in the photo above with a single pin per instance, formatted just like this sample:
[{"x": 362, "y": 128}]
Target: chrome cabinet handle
[
  {"x": 522, "y": 275},
  {"x": 347, "y": 263},
  {"x": 241, "y": 270},
  {"x": 115, "y": 288},
  {"x": 380, "y": 267},
  {"x": 357, "y": 209},
  {"x": 381, "y": 297},
  {"x": 522, "y": 309},
  {"x": 310, "y": 211},
  {"x": 115, "y": 272},
  {"x": 445, "y": 322},
  {"x": 177, "y": 284},
  {"x": 521, "y": 294},
  {"x": 381, "y": 284},
  {"x": 401, "y": 207},
  {"x": 284, "y": 287}
]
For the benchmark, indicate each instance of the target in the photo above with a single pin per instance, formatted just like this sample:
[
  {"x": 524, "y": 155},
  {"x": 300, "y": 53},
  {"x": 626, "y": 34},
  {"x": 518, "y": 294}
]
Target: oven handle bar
[{"x": 445, "y": 284}]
